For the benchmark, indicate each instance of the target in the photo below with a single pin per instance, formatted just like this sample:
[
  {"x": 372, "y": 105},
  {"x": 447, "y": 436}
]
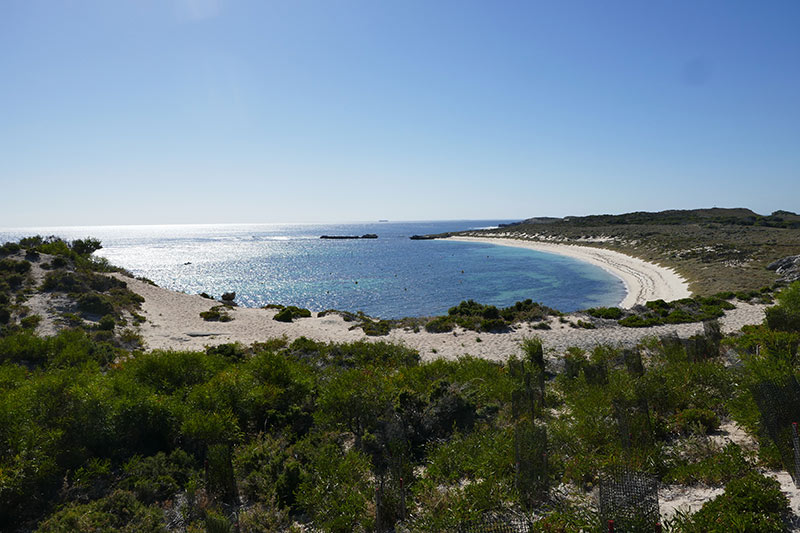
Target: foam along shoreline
[{"x": 643, "y": 281}]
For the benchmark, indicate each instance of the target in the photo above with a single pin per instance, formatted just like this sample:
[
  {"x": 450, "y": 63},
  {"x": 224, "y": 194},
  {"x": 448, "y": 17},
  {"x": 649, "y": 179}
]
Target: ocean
[{"x": 388, "y": 277}]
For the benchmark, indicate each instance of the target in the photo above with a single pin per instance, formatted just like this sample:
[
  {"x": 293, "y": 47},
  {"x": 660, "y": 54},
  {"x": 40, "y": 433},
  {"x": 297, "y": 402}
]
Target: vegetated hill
[
  {"x": 48, "y": 285},
  {"x": 735, "y": 216},
  {"x": 716, "y": 249}
]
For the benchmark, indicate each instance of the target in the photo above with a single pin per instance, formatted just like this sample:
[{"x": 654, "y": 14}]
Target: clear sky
[{"x": 204, "y": 111}]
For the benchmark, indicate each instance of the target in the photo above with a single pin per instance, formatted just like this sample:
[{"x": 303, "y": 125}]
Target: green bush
[
  {"x": 120, "y": 511},
  {"x": 608, "y": 313},
  {"x": 95, "y": 304},
  {"x": 13, "y": 266},
  {"x": 107, "y": 323},
  {"x": 441, "y": 324},
  {"x": 289, "y": 313},
  {"x": 376, "y": 329},
  {"x": 9, "y": 248},
  {"x": 750, "y": 504},
  {"x": 30, "y": 322},
  {"x": 158, "y": 477},
  {"x": 218, "y": 313},
  {"x": 62, "y": 281},
  {"x": 704, "y": 419},
  {"x": 785, "y": 316},
  {"x": 337, "y": 493},
  {"x": 719, "y": 467}
]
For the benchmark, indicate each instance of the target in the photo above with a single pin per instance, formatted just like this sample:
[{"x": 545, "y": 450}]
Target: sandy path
[{"x": 643, "y": 281}]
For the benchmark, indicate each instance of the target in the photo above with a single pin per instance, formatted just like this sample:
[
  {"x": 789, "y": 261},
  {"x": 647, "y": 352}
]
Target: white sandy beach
[
  {"x": 643, "y": 281},
  {"x": 174, "y": 322}
]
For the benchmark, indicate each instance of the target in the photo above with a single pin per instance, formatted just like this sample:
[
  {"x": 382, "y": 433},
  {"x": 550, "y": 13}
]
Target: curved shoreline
[{"x": 643, "y": 281}]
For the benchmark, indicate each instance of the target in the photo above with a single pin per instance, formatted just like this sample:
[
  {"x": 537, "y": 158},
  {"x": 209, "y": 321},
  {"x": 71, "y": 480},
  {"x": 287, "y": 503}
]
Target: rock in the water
[{"x": 787, "y": 268}]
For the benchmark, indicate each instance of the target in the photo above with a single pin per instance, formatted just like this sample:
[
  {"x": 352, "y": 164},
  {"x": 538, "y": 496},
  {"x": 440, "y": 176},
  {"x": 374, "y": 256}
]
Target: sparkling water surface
[{"x": 388, "y": 277}]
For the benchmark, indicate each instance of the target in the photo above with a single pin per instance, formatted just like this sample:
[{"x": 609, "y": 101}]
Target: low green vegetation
[
  {"x": 714, "y": 249},
  {"x": 753, "y": 503},
  {"x": 289, "y": 313},
  {"x": 89, "y": 298},
  {"x": 289, "y": 436},
  {"x": 479, "y": 317},
  {"x": 365, "y": 436},
  {"x": 659, "y": 312},
  {"x": 218, "y": 313}
]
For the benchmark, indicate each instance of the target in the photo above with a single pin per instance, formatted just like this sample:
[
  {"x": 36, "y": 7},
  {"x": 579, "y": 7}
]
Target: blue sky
[{"x": 203, "y": 111}]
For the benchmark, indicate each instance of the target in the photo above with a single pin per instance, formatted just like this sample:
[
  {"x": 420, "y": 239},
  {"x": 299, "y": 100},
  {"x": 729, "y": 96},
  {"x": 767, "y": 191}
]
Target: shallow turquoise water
[{"x": 388, "y": 277}]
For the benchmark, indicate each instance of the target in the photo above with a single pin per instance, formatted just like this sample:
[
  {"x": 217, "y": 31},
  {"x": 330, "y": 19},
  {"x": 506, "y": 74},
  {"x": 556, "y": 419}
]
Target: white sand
[
  {"x": 173, "y": 322},
  {"x": 643, "y": 281}
]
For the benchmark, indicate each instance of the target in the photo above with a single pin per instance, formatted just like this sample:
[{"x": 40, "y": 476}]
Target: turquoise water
[{"x": 388, "y": 277}]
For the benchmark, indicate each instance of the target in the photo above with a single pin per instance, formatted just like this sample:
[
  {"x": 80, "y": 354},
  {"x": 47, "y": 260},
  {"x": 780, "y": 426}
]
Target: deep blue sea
[{"x": 388, "y": 277}]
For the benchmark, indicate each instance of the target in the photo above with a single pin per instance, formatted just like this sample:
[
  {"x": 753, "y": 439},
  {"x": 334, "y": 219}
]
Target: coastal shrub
[
  {"x": 158, "y": 477},
  {"x": 30, "y": 322},
  {"x": 13, "y": 266},
  {"x": 336, "y": 491},
  {"x": 688, "y": 419},
  {"x": 472, "y": 315},
  {"x": 637, "y": 321},
  {"x": 719, "y": 467},
  {"x": 492, "y": 325},
  {"x": 376, "y": 329},
  {"x": 120, "y": 511},
  {"x": 289, "y": 313},
  {"x": 659, "y": 312},
  {"x": 13, "y": 280},
  {"x": 9, "y": 248},
  {"x": 608, "y": 313},
  {"x": 62, "y": 281},
  {"x": 95, "y": 304},
  {"x": 441, "y": 324},
  {"x": 752, "y": 504},
  {"x": 232, "y": 351},
  {"x": 482, "y": 454},
  {"x": 85, "y": 247},
  {"x": 107, "y": 323},
  {"x": 218, "y": 313},
  {"x": 785, "y": 316}
]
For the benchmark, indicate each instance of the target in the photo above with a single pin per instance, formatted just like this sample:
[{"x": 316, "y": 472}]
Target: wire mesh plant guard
[
  {"x": 629, "y": 499},
  {"x": 530, "y": 455},
  {"x": 530, "y": 440},
  {"x": 633, "y": 422},
  {"x": 779, "y": 405},
  {"x": 497, "y": 522},
  {"x": 796, "y": 449}
]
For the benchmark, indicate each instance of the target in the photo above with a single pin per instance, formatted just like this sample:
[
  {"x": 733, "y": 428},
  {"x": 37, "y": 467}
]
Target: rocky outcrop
[
  {"x": 787, "y": 268},
  {"x": 365, "y": 236}
]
